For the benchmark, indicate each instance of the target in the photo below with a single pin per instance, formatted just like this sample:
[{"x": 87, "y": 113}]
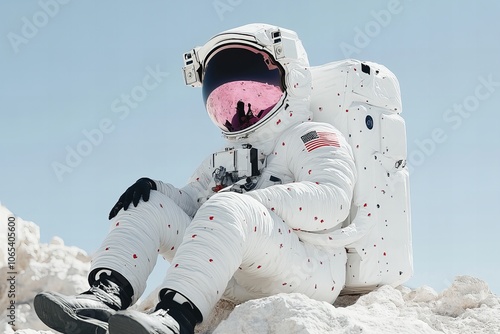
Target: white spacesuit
[
  {"x": 247, "y": 238},
  {"x": 233, "y": 231}
]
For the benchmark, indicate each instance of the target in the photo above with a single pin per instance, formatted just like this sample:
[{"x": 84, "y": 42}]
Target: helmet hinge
[
  {"x": 190, "y": 69},
  {"x": 277, "y": 45}
]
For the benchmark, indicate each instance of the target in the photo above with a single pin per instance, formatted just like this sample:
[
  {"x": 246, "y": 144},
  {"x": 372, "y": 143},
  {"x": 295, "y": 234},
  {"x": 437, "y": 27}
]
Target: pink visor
[{"x": 241, "y": 85}]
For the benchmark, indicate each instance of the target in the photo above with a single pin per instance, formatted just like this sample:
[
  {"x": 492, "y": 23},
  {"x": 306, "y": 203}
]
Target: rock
[{"x": 38, "y": 267}]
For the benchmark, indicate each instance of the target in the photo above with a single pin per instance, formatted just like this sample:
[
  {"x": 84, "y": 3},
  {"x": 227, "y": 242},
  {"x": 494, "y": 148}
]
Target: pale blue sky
[{"x": 67, "y": 69}]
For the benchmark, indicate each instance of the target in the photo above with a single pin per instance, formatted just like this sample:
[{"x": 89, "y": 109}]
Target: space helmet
[{"x": 248, "y": 76}]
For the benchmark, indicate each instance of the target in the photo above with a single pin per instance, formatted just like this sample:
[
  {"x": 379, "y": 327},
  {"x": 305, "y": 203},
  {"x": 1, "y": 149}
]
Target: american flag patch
[{"x": 312, "y": 140}]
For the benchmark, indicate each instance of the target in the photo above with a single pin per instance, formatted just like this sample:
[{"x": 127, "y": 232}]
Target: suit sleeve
[
  {"x": 187, "y": 197},
  {"x": 322, "y": 165}
]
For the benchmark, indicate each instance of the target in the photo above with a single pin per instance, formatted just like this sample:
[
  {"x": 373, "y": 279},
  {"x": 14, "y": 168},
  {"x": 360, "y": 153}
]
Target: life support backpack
[{"x": 362, "y": 100}]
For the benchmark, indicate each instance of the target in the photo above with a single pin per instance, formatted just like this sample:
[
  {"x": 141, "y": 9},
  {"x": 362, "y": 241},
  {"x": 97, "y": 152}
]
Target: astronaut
[{"x": 231, "y": 231}]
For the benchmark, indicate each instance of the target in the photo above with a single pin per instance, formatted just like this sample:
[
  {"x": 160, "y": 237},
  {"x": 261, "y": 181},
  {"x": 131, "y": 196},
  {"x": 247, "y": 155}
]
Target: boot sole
[
  {"x": 62, "y": 318},
  {"x": 130, "y": 323}
]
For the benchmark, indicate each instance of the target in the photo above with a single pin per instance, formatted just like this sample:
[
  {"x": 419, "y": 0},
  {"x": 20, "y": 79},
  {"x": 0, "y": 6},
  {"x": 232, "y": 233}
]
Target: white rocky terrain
[{"x": 467, "y": 306}]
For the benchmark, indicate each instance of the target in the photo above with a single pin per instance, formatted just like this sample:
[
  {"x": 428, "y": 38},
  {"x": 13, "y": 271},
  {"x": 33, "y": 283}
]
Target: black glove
[{"x": 133, "y": 194}]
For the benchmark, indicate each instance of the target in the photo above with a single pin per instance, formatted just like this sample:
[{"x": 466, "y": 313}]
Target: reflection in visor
[
  {"x": 241, "y": 85},
  {"x": 237, "y": 105}
]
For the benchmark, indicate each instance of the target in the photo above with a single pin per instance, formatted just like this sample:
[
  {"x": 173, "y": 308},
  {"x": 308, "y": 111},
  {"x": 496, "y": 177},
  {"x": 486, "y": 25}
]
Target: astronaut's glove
[{"x": 140, "y": 189}]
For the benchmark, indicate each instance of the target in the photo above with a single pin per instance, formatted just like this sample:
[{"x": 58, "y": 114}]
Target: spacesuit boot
[
  {"x": 174, "y": 314},
  {"x": 87, "y": 312}
]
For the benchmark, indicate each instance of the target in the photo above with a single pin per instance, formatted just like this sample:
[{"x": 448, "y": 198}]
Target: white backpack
[{"x": 362, "y": 100}]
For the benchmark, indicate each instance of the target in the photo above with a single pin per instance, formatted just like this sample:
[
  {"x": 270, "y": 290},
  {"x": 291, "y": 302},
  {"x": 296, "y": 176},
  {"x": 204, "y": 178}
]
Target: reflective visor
[{"x": 241, "y": 85}]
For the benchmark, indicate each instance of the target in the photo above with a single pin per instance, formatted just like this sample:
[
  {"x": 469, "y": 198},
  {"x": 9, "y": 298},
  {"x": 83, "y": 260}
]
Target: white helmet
[{"x": 255, "y": 81}]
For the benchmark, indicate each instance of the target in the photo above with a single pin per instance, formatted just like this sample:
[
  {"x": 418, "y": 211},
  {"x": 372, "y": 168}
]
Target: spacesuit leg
[
  {"x": 235, "y": 239},
  {"x": 138, "y": 235}
]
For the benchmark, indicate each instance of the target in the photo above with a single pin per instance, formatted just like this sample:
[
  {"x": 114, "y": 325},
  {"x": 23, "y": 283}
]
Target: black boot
[
  {"x": 174, "y": 314},
  {"x": 88, "y": 312}
]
